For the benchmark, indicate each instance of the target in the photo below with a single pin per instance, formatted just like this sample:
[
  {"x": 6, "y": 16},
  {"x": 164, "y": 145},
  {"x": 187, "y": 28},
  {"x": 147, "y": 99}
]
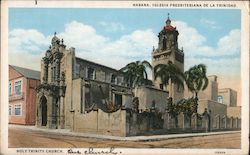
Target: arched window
[{"x": 164, "y": 46}]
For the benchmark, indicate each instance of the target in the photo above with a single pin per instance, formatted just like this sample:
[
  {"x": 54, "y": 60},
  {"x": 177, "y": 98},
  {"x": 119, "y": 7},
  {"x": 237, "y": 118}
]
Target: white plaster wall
[{"x": 146, "y": 96}]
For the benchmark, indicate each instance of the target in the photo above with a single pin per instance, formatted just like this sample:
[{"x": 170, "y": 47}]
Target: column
[
  {"x": 181, "y": 121},
  {"x": 61, "y": 114},
  {"x": 194, "y": 121},
  {"x": 57, "y": 70},
  {"x": 45, "y": 70}
]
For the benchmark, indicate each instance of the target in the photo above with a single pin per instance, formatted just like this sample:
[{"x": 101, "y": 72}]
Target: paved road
[{"x": 21, "y": 137}]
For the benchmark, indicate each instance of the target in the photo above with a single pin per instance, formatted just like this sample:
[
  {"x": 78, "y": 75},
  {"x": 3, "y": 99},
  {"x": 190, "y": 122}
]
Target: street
[{"x": 21, "y": 137}]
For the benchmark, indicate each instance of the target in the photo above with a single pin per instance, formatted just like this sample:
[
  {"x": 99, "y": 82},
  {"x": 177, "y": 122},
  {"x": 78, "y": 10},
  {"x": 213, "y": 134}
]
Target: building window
[
  {"x": 161, "y": 86},
  {"x": 220, "y": 99},
  {"x": 118, "y": 99},
  {"x": 18, "y": 109},
  {"x": 164, "y": 43},
  {"x": 113, "y": 79},
  {"x": 18, "y": 87},
  {"x": 9, "y": 88},
  {"x": 53, "y": 72},
  {"x": 91, "y": 73},
  {"x": 77, "y": 69},
  {"x": 86, "y": 103},
  {"x": 10, "y": 110},
  {"x": 119, "y": 80}
]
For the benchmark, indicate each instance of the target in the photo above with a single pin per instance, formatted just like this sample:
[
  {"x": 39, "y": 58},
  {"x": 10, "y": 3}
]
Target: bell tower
[{"x": 168, "y": 52}]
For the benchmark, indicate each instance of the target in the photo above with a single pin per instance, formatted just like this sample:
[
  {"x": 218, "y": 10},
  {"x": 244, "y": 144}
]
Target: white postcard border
[{"x": 243, "y": 5}]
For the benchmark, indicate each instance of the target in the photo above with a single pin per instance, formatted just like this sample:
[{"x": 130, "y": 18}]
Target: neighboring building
[
  {"x": 228, "y": 97},
  {"x": 208, "y": 98},
  {"x": 22, "y": 95},
  {"x": 220, "y": 103}
]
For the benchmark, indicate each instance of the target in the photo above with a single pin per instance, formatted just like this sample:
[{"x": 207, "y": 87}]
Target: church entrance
[{"x": 43, "y": 104}]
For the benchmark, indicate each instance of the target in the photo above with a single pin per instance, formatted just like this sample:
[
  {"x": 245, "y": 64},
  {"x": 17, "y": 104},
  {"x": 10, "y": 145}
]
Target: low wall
[
  {"x": 234, "y": 111},
  {"x": 153, "y": 122},
  {"x": 100, "y": 122},
  {"x": 151, "y": 117},
  {"x": 143, "y": 123},
  {"x": 132, "y": 123}
]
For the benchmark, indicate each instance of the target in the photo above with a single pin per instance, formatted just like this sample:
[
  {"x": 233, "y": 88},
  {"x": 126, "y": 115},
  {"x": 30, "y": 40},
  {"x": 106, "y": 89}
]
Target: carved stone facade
[
  {"x": 51, "y": 92},
  {"x": 72, "y": 86}
]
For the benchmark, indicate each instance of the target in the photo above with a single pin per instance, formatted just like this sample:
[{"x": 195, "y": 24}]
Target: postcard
[{"x": 124, "y": 77}]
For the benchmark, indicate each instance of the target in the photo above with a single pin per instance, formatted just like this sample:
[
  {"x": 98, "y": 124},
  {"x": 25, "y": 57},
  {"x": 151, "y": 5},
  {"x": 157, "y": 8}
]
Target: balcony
[{"x": 14, "y": 97}]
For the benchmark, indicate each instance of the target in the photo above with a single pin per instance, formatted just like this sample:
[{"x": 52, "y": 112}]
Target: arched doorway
[{"x": 43, "y": 104}]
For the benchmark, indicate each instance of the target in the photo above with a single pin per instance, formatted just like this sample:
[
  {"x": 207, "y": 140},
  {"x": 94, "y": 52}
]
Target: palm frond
[
  {"x": 206, "y": 81},
  {"x": 196, "y": 78}
]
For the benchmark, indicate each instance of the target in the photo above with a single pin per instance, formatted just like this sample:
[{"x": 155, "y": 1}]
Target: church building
[{"x": 85, "y": 96}]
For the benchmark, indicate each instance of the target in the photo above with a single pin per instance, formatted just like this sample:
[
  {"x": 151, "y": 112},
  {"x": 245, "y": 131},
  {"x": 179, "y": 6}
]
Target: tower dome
[
  {"x": 168, "y": 21},
  {"x": 168, "y": 24},
  {"x": 55, "y": 39}
]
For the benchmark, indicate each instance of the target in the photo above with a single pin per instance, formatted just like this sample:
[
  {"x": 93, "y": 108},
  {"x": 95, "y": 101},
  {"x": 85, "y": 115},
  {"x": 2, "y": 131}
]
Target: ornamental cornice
[{"x": 52, "y": 89}]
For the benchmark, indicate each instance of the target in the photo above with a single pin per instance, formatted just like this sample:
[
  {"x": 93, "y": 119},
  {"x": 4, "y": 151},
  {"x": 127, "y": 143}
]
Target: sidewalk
[{"x": 67, "y": 132}]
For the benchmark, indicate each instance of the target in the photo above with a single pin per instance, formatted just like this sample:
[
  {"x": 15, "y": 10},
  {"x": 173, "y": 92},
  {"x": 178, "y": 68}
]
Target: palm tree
[
  {"x": 135, "y": 73},
  {"x": 169, "y": 73},
  {"x": 196, "y": 79}
]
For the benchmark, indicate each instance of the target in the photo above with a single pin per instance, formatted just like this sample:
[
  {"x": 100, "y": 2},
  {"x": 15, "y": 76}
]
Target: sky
[{"x": 115, "y": 37}]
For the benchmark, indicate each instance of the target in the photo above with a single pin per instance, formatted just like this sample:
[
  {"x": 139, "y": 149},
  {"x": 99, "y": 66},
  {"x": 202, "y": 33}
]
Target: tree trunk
[
  {"x": 196, "y": 100},
  {"x": 196, "y": 95}
]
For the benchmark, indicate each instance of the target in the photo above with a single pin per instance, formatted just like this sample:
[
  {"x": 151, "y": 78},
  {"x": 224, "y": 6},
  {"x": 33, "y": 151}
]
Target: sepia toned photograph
[{"x": 125, "y": 78}]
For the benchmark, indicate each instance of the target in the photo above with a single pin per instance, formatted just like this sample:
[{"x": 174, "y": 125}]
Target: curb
[{"x": 67, "y": 132}]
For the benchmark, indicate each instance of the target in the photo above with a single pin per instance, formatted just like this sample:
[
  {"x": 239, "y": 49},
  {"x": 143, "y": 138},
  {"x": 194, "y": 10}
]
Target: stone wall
[
  {"x": 68, "y": 64},
  {"x": 131, "y": 123},
  {"x": 215, "y": 107},
  {"x": 144, "y": 122},
  {"x": 101, "y": 73},
  {"x": 100, "y": 122},
  {"x": 93, "y": 119},
  {"x": 148, "y": 97},
  {"x": 234, "y": 111},
  {"x": 203, "y": 123}
]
